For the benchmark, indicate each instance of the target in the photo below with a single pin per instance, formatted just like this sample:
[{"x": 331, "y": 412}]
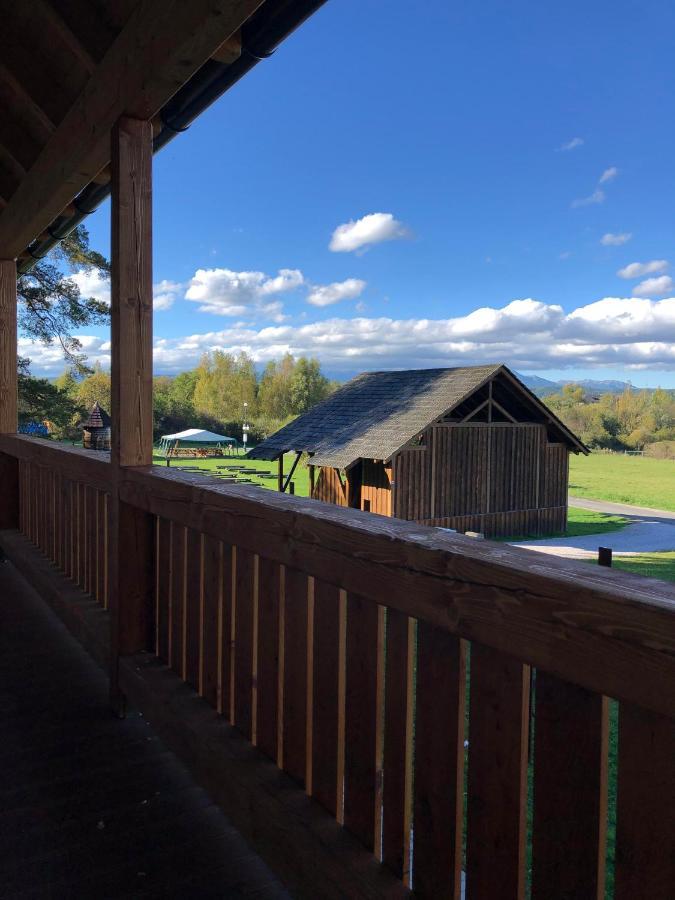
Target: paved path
[
  {"x": 648, "y": 531},
  {"x": 622, "y": 509}
]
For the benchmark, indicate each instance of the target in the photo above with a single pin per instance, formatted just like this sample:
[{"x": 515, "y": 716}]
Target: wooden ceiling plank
[
  {"x": 162, "y": 46},
  {"x": 60, "y": 27}
]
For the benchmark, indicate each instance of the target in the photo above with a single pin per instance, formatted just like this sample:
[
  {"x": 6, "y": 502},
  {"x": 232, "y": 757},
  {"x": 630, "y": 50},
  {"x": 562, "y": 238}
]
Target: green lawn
[
  {"x": 586, "y": 521},
  {"x": 651, "y": 565},
  {"x": 210, "y": 466},
  {"x": 624, "y": 479}
]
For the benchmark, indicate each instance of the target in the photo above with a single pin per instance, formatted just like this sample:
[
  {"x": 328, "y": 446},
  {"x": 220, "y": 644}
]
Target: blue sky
[{"x": 452, "y": 122}]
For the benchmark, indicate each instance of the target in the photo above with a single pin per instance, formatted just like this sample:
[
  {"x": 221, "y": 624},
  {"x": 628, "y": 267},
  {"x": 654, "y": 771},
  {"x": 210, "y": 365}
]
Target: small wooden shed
[
  {"x": 96, "y": 429},
  {"x": 467, "y": 448}
]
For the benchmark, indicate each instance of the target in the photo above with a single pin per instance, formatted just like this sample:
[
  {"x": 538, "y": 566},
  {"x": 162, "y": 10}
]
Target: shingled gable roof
[
  {"x": 98, "y": 418},
  {"x": 377, "y": 413}
]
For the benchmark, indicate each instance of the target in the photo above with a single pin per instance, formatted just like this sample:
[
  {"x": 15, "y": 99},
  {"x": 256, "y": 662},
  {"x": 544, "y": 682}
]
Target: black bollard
[{"x": 605, "y": 556}]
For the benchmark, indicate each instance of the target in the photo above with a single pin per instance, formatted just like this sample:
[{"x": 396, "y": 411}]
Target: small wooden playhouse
[
  {"x": 96, "y": 429},
  {"x": 466, "y": 448}
]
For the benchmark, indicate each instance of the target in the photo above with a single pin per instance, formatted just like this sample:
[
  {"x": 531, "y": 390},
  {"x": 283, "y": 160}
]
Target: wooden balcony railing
[
  {"x": 452, "y": 704},
  {"x": 67, "y": 518}
]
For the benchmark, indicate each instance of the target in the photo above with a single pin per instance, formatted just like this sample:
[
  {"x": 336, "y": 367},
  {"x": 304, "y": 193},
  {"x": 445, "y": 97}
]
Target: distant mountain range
[{"x": 543, "y": 386}]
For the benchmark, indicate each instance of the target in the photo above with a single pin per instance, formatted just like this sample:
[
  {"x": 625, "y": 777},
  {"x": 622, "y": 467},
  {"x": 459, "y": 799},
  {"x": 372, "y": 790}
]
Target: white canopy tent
[{"x": 194, "y": 438}]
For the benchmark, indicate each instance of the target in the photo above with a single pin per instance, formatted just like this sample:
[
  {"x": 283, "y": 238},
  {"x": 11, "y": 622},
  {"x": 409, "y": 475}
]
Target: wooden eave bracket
[{"x": 230, "y": 50}]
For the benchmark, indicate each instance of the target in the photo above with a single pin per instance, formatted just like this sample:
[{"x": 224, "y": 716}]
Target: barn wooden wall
[
  {"x": 376, "y": 487},
  {"x": 329, "y": 488},
  {"x": 367, "y": 481},
  {"x": 412, "y": 484},
  {"x": 497, "y": 479}
]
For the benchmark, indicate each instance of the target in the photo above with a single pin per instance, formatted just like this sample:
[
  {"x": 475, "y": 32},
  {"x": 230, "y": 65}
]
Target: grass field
[
  {"x": 586, "y": 521},
  {"x": 624, "y": 479},
  {"x": 579, "y": 523},
  {"x": 210, "y": 466},
  {"x": 651, "y": 565}
]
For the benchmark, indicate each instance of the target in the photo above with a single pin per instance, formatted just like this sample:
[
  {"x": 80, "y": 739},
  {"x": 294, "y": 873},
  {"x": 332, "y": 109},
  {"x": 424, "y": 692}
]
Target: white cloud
[
  {"x": 639, "y": 270},
  {"x": 565, "y": 254},
  {"x": 91, "y": 284},
  {"x": 615, "y": 240},
  {"x": 165, "y": 293},
  {"x": 598, "y": 196},
  {"x": 227, "y": 293},
  {"x": 633, "y": 333},
  {"x": 654, "y": 287},
  {"x": 571, "y": 145},
  {"x": 371, "y": 229},
  {"x": 326, "y": 294}
]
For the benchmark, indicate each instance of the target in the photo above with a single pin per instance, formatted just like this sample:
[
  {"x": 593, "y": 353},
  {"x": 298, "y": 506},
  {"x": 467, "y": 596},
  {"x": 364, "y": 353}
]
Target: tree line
[
  {"x": 631, "y": 420},
  {"x": 224, "y": 389}
]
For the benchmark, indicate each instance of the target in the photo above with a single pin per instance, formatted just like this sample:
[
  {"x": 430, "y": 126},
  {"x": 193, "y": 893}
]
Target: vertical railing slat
[
  {"x": 325, "y": 695},
  {"x": 570, "y": 812},
  {"x": 267, "y": 651},
  {"x": 294, "y": 721},
  {"x": 193, "y": 604},
  {"x": 101, "y": 547},
  {"x": 81, "y": 532},
  {"x": 645, "y": 830},
  {"x": 177, "y": 598},
  {"x": 438, "y": 807},
  {"x": 211, "y": 619},
  {"x": 92, "y": 540},
  {"x": 69, "y": 517},
  {"x": 497, "y": 789},
  {"x": 361, "y": 718},
  {"x": 397, "y": 760},
  {"x": 243, "y": 640},
  {"x": 226, "y": 633}
]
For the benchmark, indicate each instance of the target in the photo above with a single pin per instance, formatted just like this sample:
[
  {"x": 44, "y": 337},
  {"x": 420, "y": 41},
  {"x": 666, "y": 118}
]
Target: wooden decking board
[{"x": 66, "y": 765}]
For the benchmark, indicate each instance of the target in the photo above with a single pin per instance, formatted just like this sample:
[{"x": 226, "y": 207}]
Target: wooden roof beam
[
  {"x": 59, "y": 27},
  {"x": 11, "y": 163},
  {"x": 160, "y": 48},
  {"x": 36, "y": 118}
]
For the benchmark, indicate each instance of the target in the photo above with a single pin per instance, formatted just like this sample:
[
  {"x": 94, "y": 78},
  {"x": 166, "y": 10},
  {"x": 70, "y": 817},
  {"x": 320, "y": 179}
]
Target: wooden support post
[
  {"x": 280, "y": 474},
  {"x": 311, "y": 481},
  {"x": 287, "y": 482},
  {"x": 131, "y": 531},
  {"x": 9, "y": 466},
  {"x": 131, "y": 308},
  {"x": 8, "y": 344}
]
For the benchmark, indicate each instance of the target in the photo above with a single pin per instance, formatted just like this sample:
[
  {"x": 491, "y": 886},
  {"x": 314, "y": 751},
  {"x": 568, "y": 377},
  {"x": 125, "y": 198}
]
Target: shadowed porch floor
[{"x": 91, "y": 806}]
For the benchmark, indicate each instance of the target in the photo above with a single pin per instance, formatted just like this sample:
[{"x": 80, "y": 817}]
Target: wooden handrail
[{"x": 90, "y": 466}]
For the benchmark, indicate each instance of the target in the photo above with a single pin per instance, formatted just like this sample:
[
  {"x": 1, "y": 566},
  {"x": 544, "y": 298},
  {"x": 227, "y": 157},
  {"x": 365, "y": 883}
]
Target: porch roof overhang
[{"x": 68, "y": 71}]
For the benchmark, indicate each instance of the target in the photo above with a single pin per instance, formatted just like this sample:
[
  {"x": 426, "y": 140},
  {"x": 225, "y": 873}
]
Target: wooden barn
[{"x": 466, "y": 448}]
